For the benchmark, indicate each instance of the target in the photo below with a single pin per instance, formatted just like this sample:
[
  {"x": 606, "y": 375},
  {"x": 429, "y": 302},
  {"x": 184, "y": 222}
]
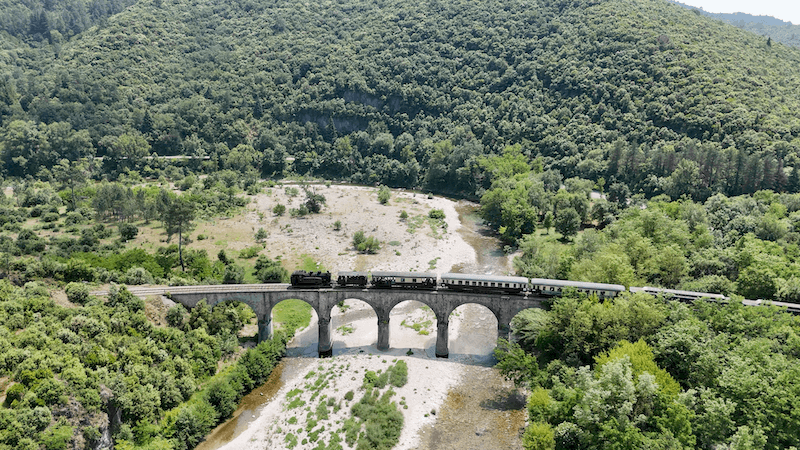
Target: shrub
[
  {"x": 436, "y": 214},
  {"x": 398, "y": 374},
  {"x": 250, "y": 252},
  {"x": 269, "y": 271},
  {"x": 279, "y": 209},
  {"x": 384, "y": 194},
  {"x": 77, "y": 292},
  {"x": 261, "y": 234},
  {"x": 138, "y": 275},
  {"x": 366, "y": 244},
  {"x": 337, "y": 225},
  {"x": 403, "y": 215},
  {"x": 74, "y": 218},
  {"x": 128, "y": 231},
  {"x": 50, "y": 217},
  {"x": 234, "y": 274}
]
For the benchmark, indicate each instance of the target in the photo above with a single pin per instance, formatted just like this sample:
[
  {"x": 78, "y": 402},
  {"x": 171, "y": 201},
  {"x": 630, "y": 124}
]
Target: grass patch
[
  {"x": 414, "y": 223},
  {"x": 420, "y": 327},
  {"x": 345, "y": 329},
  {"x": 292, "y": 314},
  {"x": 394, "y": 243},
  {"x": 310, "y": 264}
]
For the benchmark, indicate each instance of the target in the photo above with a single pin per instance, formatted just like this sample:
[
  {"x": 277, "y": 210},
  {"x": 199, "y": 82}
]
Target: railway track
[{"x": 214, "y": 288}]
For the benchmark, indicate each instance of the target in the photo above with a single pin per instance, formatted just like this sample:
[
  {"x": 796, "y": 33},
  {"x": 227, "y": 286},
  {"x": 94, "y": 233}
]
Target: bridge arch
[
  {"x": 358, "y": 321},
  {"x": 409, "y": 324},
  {"x": 473, "y": 329}
]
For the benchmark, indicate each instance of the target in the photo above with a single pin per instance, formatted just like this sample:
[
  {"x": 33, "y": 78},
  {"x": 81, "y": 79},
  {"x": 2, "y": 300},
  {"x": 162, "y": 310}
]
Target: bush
[
  {"x": 384, "y": 194},
  {"x": 50, "y": 217},
  {"x": 234, "y": 274},
  {"x": 279, "y": 209},
  {"x": 436, "y": 214},
  {"x": 269, "y": 271},
  {"x": 77, "y": 292},
  {"x": 370, "y": 245},
  {"x": 74, "y": 218},
  {"x": 337, "y": 225},
  {"x": 398, "y": 374},
  {"x": 250, "y": 252},
  {"x": 137, "y": 276},
  {"x": 128, "y": 231}
]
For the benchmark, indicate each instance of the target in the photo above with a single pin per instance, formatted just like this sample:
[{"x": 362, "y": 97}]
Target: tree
[
  {"x": 269, "y": 271},
  {"x": 177, "y": 215},
  {"x": 384, "y": 194},
  {"x": 128, "y": 231},
  {"x": 548, "y": 221},
  {"x": 70, "y": 174},
  {"x": 568, "y": 222},
  {"x": 314, "y": 201},
  {"x": 128, "y": 151}
]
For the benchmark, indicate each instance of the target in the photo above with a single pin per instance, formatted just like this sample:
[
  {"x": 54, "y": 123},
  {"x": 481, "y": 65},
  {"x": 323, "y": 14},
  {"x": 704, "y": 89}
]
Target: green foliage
[
  {"x": 77, "y": 292},
  {"x": 269, "y": 271},
  {"x": 279, "y": 209},
  {"x": 382, "y": 421},
  {"x": 538, "y": 436},
  {"x": 384, "y": 194},
  {"x": 365, "y": 244},
  {"x": 398, "y": 374},
  {"x": 293, "y": 315},
  {"x": 436, "y": 214},
  {"x": 128, "y": 231}
]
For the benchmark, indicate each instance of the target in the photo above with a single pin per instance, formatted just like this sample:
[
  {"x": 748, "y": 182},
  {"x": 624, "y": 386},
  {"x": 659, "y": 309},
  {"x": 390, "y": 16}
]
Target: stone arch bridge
[{"x": 263, "y": 297}]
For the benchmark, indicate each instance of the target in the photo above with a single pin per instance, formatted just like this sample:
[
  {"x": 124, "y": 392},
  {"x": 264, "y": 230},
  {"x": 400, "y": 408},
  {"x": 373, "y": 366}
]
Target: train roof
[
  {"x": 677, "y": 292},
  {"x": 490, "y": 278},
  {"x": 405, "y": 274},
  {"x": 577, "y": 284},
  {"x": 352, "y": 274}
]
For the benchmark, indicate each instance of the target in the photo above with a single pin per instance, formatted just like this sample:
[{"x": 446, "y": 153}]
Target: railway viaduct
[{"x": 262, "y": 298}]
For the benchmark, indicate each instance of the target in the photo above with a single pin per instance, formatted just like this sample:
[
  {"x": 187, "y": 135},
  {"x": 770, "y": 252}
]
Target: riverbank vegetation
[
  {"x": 332, "y": 419},
  {"x": 642, "y": 372},
  {"x": 103, "y": 370}
]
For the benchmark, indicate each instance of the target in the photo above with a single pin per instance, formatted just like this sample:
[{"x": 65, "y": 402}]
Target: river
[{"x": 484, "y": 411}]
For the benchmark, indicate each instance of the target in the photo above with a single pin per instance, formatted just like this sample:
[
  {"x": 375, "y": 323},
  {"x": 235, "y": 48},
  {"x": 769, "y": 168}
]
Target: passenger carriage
[
  {"x": 544, "y": 286},
  {"x": 484, "y": 283}
]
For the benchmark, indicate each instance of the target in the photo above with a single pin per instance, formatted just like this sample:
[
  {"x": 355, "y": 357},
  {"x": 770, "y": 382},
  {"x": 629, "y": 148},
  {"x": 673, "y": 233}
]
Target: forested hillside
[
  {"x": 767, "y": 26},
  {"x": 413, "y": 93},
  {"x": 54, "y": 21}
]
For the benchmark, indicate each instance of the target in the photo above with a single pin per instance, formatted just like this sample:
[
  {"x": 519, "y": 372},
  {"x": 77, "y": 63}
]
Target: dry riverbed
[{"x": 437, "y": 412}]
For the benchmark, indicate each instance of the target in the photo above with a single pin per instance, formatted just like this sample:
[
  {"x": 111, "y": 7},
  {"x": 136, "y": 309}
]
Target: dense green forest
[
  {"x": 637, "y": 372},
  {"x": 630, "y": 142},
  {"x": 411, "y": 94}
]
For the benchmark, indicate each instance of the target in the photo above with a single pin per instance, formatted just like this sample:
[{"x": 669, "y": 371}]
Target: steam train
[
  {"x": 450, "y": 281},
  {"x": 495, "y": 284}
]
